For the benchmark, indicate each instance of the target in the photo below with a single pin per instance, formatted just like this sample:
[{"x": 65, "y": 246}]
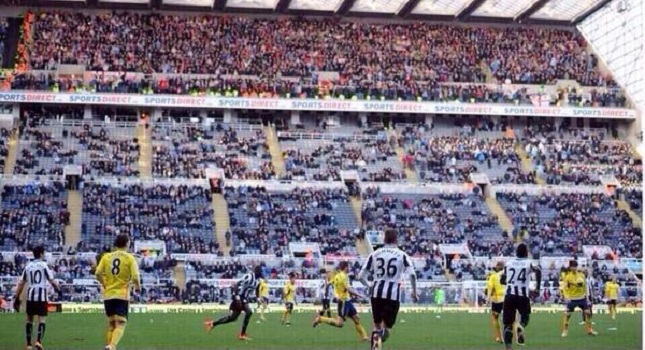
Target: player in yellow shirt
[
  {"x": 289, "y": 298},
  {"x": 343, "y": 293},
  {"x": 263, "y": 298},
  {"x": 495, "y": 293},
  {"x": 611, "y": 293},
  {"x": 563, "y": 290},
  {"x": 115, "y": 272},
  {"x": 575, "y": 284}
]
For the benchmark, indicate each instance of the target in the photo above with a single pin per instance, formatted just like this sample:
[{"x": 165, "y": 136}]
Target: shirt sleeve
[
  {"x": 366, "y": 270},
  {"x": 48, "y": 273},
  {"x": 408, "y": 265},
  {"x": 101, "y": 266},
  {"x": 134, "y": 271}
]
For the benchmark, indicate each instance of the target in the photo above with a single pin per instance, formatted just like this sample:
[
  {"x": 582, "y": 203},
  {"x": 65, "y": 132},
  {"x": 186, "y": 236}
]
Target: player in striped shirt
[
  {"x": 242, "y": 291},
  {"x": 35, "y": 276},
  {"x": 387, "y": 266},
  {"x": 326, "y": 292}
]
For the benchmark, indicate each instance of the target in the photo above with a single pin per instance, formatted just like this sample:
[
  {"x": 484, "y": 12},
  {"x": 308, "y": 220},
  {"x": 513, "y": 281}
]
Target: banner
[{"x": 331, "y": 105}]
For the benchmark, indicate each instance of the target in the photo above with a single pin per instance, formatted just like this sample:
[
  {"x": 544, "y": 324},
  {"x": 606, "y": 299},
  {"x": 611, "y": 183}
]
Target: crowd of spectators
[
  {"x": 429, "y": 220},
  {"x": 107, "y": 154},
  {"x": 4, "y": 26},
  {"x": 265, "y": 222},
  {"x": 379, "y": 53},
  {"x": 4, "y": 147},
  {"x": 187, "y": 150},
  {"x": 559, "y": 224},
  {"x": 583, "y": 161},
  {"x": 179, "y": 215},
  {"x": 33, "y": 214},
  {"x": 374, "y": 159},
  {"x": 634, "y": 197},
  {"x": 452, "y": 154}
]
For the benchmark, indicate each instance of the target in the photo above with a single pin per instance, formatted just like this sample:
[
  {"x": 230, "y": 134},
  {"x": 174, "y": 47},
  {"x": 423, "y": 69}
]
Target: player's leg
[
  {"x": 586, "y": 310},
  {"x": 248, "y": 313},
  {"x": 566, "y": 317},
  {"x": 263, "y": 309},
  {"x": 612, "y": 309},
  {"x": 41, "y": 330},
  {"x": 338, "y": 321},
  {"x": 525, "y": 313},
  {"x": 29, "y": 327},
  {"x": 109, "y": 312},
  {"x": 350, "y": 311},
  {"x": 389, "y": 318},
  {"x": 235, "y": 309},
  {"x": 496, "y": 311},
  {"x": 288, "y": 309},
  {"x": 120, "y": 321},
  {"x": 508, "y": 319}
]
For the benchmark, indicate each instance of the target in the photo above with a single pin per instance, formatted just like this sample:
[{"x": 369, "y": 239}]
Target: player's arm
[
  {"x": 489, "y": 288},
  {"x": 52, "y": 281},
  {"x": 100, "y": 272},
  {"x": 135, "y": 277},
  {"x": 538, "y": 277},
  {"x": 409, "y": 269},
  {"x": 366, "y": 271},
  {"x": 502, "y": 277},
  {"x": 21, "y": 285}
]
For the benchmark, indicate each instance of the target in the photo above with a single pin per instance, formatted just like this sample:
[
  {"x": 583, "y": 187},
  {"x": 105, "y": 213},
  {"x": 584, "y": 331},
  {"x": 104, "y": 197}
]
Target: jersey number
[
  {"x": 381, "y": 267},
  {"x": 520, "y": 277},
  {"x": 36, "y": 277},
  {"x": 116, "y": 263}
]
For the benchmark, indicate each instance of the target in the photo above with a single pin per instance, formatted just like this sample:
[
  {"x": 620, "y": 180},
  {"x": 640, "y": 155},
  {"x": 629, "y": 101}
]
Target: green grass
[{"x": 415, "y": 331}]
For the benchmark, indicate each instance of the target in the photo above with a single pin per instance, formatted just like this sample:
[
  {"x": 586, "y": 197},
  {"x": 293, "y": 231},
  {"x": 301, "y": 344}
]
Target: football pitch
[{"x": 414, "y": 331}]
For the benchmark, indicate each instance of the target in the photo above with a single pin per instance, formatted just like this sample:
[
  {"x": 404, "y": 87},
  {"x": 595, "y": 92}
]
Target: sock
[
  {"x": 288, "y": 318},
  {"x": 108, "y": 333},
  {"x": 508, "y": 334},
  {"x": 497, "y": 331},
  {"x": 284, "y": 316},
  {"x": 328, "y": 313},
  {"x": 588, "y": 323},
  {"x": 28, "y": 329},
  {"x": 330, "y": 321},
  {"x": 565, "y": 322},
  {"x": 375, "y": 333},
  {"x": 226, "y": 319},
  {"x": 41, "y": 331},
  {"x": 118, "y": 331},
  {"x": 247, "y": 319},
  {"x": 360, "y": 330},
  {"x": 385, "y": 334}
]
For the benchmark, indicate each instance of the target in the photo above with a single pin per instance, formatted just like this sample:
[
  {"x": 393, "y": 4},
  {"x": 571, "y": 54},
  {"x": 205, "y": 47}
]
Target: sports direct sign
[{"x": 178, "y": 101}]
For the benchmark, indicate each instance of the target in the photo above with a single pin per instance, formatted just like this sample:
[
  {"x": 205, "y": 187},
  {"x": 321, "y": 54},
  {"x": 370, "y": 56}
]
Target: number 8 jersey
[
  {"x": 517, "y": 276},
  {"x": 118, "y": 269},
  {"x": 387, "y": 265}
]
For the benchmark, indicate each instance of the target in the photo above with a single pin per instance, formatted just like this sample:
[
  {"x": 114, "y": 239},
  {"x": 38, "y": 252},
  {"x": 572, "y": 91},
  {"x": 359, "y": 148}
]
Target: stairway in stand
[
  {"x": 222, "y": 222},
  {"x": 12, "y": 156},
  {"x": 145, "y": 152},
  {"x": 636, "y": 220},
  {"x": 179, "y": 273},
  {"x": 362, "y": 248},
  {"x": 75, "y": 208},
  {"x": 496, "y": 209},
  {"x": 410, "y": 174},
  {"x": 277, "y": 158},
  {"x": 527, "y": 165}
]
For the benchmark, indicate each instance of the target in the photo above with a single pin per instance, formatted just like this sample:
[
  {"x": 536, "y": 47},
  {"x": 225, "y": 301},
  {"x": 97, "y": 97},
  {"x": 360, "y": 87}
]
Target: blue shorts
[
  {"x": 583, "y": 304},
  {"x": 346, "y": 309}
]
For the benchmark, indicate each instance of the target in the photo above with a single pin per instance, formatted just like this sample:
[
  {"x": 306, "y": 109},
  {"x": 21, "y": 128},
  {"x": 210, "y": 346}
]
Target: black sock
[
  {"x": 28, "y": 329},
  {"x": 247, "y": 319},
  {"x": 328, "y": 313},
  {"x": 385, "y": 334},
  {"x": 41, "y": 331},
  {"x": 508, "y": 334},
  {"x": 226, "y": 319}
]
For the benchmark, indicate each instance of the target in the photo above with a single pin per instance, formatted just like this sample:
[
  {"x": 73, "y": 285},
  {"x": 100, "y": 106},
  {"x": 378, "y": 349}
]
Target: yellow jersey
[
  {"x": 494, "y": 289},
  {"x": 263, "y": 289},
  {"x": 341, "y": 286},
  {"x": 575, "y": 285},
  {"x": 611, "y": 290},
  {"x": 289, "y": 292},
  {"x": 115, "y": 272},
  {"x": 563, "y": 289}
]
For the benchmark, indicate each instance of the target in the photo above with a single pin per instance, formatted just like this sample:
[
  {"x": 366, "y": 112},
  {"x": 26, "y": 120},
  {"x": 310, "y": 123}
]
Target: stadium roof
[{"x": 504, "y": 11}]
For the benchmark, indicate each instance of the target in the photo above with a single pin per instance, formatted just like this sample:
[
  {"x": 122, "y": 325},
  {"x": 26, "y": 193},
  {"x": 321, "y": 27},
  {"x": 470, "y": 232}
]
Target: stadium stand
[
  {"x": 33, "y": 213},
  {"x": 265, "y": 221},
  {"x": 179, "y": 214}
]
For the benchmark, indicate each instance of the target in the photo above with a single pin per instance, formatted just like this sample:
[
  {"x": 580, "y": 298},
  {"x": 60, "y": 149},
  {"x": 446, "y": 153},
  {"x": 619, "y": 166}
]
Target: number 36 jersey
[
  {"x": 119, "y": 269},
  {"x": 387, "y": 266}
]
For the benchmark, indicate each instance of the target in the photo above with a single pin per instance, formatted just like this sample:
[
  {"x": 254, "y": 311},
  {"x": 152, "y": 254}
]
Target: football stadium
[{"x": 321, "y": 174}]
